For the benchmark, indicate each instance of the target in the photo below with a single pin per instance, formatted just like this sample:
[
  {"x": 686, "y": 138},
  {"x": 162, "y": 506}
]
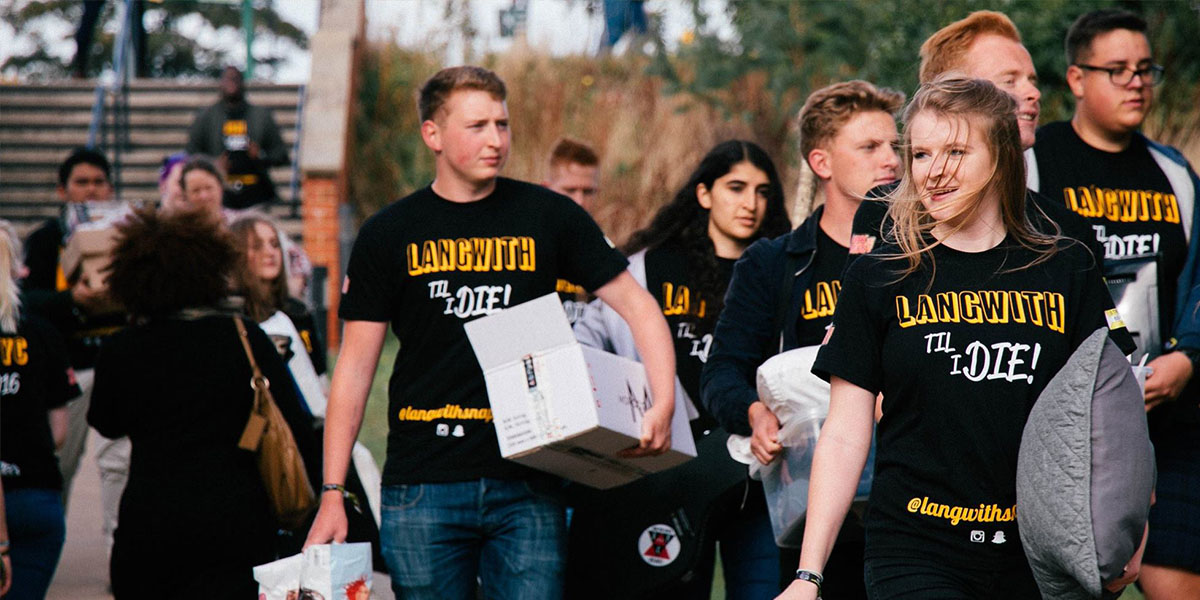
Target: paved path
[{"x": 83, "y": 569}]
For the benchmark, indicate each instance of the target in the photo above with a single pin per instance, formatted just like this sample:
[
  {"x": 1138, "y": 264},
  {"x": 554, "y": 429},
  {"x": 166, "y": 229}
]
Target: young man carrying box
[{"x": 470, "y": 244}]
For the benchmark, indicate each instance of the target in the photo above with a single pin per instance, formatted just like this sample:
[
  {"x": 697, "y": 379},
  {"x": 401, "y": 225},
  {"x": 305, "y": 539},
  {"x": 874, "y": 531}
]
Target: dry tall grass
[{"x": 649, "y": 141}]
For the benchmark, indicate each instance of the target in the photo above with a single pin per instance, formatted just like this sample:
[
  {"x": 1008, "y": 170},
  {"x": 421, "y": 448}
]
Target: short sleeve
[
  {"x": 587, "y": 258},
  {"x": 853, "y": 347},
  {"x": 1096, "y": 309},
  {"x": 372, "y": 275}
]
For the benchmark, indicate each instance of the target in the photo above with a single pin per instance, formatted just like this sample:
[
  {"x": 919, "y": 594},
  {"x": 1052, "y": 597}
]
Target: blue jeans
[
  {"x": 36, "y": 530},
  {"x": 438, "y": 538}
]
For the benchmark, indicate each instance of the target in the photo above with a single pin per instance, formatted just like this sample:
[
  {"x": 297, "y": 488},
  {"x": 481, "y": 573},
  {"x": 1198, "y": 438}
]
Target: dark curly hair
[
  {"x": 685, "y": 223},
  {"x": 164, "y": 263}
]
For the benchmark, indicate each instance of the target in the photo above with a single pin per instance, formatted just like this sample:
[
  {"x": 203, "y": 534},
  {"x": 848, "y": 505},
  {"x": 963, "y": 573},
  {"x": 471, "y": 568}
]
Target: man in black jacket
[{"x": 848, "y": 137}]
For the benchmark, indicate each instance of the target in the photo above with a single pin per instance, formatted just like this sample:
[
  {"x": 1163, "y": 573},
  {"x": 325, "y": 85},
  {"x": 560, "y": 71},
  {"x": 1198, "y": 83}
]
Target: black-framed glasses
[{"x": 1122, "y": 75}]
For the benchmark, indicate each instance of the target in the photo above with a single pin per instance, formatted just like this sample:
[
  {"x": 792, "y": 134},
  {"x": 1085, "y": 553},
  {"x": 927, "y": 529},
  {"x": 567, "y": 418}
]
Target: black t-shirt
[
  {"x": 820, "y": 297},
  {"x": 1124, "y": 195},
  {"x": 306, "y": 326},
  {"x": 691, "y": 314},
  {"x": 35, "y": 378},
  {"x": 960, "y": 362},
  {"x": 428, "y": 265},
  {"x": 247, "y": 181}
]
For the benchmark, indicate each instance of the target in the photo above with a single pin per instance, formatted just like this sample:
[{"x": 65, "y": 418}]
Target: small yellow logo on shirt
[{"x": 1114, "y": 319}]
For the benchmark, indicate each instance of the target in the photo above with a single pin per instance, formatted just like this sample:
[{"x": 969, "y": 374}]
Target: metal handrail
[
  {"x": 295, "y": 183},
  {"x": 120, "y": 88}
]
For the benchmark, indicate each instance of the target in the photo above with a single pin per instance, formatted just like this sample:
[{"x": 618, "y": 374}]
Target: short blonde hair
[{"x": 945, "y": 49}]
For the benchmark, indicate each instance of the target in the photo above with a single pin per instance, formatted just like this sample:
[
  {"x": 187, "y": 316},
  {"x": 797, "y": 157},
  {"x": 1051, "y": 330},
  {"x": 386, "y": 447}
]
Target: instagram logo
[{"x": 977, "y": 536}]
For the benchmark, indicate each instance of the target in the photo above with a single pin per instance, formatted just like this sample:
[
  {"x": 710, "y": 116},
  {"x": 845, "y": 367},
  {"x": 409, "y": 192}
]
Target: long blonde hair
[
  {"x": 10, "y": 272},
  {"x": 994, "y": 112}
]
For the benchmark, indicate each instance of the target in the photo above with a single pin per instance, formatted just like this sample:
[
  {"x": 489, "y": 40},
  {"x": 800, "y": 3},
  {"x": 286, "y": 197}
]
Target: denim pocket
[{"x": 402, "y": 497}]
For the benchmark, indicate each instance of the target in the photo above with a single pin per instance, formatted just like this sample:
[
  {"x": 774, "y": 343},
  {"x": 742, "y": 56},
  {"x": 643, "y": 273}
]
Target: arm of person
[
  {"x": 653, "y": 341},
  {"x": 743, "y": 332},
  {"x": 58, "y": 426},
  {"x": 1172, "y": 372},
  {"x": 839, "y": 457},
  {"x": 362, "y": 342}
]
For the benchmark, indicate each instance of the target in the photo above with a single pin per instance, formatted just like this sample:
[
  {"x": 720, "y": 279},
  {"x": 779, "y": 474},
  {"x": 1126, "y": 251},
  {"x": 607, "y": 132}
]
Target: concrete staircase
[{"x": 40, "y": 124}]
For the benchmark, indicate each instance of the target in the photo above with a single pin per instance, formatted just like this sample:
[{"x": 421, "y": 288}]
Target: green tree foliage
[
  {"x": 798, "y": 46},
  {"x": 170, "y": 53}
]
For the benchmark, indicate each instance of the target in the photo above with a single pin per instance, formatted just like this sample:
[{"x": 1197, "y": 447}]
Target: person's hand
[
  {"x": 656, "y": 433},
  {"x": 253, "y": 150},
  {"x": 764, "y": 437},
  {"x": 92, "y": 300},
  {"x": 1172, "y": 371},
  {"x": 1132, "y": 569},
  {"x": 330, "y": 524},
  {"x": 799, "y": 590}
]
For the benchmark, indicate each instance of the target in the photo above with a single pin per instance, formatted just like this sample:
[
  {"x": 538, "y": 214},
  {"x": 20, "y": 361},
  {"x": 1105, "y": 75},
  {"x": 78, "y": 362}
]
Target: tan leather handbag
[{"x": 267, "y": 435}]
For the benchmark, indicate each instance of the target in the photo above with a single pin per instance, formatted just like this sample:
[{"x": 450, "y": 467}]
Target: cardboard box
[
  {"x": 564, "y": 408},
  {"x": 89, "y": 249}
]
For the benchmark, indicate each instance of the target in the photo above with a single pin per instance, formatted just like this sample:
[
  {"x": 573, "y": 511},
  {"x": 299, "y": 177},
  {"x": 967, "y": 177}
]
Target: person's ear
[
  {"x": 1075, "y": 81},
  {"x": 821, "y": 163},
  {"x": 704, "y": 196},
  {"x": 62, "y": 191},
  {"x": 431, "y": 135}
]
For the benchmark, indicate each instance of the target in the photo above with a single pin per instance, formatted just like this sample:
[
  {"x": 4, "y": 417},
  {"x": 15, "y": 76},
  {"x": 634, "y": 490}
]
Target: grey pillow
[{"x": 1085, "y": 473}]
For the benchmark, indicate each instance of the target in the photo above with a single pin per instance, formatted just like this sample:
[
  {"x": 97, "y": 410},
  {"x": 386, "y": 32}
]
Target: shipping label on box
[{"x": 564, "y": 408}]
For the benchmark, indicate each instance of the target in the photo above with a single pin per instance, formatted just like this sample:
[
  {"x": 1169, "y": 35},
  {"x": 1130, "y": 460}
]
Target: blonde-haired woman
[
  {"x": 906, "y": 327},
  {"x": 35, "y": 384}
]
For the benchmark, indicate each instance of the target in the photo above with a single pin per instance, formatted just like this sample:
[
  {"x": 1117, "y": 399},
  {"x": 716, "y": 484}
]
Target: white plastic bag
[
  {"x": 336, "y": 572},
  {"x": 279, "y": 580}
]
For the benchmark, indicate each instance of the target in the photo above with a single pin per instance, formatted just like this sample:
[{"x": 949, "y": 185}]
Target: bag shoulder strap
[{"x": 245, "y": 338}]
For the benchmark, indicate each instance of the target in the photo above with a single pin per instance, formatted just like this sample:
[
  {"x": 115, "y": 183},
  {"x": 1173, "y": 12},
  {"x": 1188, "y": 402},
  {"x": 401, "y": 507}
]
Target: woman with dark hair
[
  {"x": 36, "y": 382},
  {"x": 194, "y": 517},
  {"x": 915, "y": 321},
  {"x": 685, "y": 258}
]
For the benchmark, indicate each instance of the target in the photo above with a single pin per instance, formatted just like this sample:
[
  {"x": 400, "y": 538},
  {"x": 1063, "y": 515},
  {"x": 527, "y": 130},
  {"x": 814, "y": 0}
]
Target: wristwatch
[{"x": 812, "y": 577}]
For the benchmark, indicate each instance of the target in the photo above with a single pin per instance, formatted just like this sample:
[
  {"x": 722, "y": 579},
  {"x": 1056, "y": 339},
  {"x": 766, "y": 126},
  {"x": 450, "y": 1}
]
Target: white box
[{"x": 564, "y": 408}]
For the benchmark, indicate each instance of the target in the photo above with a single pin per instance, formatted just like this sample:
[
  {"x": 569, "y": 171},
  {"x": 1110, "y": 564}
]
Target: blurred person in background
[
  {"x": 81, "y": 310},
  {"x": 263, "y": 285},
  {"x": 244, "y": 139},
  {"x": 194, "y": 516},
  {"x": 574, "y": 171},
  {"x": 36, "y": 382}
]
